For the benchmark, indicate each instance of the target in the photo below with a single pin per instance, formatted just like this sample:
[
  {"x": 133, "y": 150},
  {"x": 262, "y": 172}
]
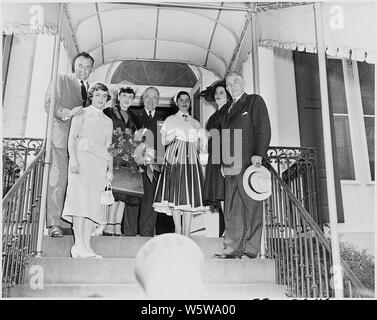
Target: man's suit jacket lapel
[
  {"x": 76, "y": 85},
  {"x": 147, "y": 122},
  {"x": 223, "y": 115},
  {"x": 236, "y": 108},
  {"x": 145, "y": 118},
  {"x": 156, "y": 117}
]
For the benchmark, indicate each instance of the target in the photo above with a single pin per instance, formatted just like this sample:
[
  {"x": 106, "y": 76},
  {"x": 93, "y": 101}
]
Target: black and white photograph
[{"x": 194, "y": 151}]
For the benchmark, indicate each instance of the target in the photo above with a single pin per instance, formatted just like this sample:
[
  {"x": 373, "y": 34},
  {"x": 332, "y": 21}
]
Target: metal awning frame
[
  {"x": 160, "y": 60},
  {"x": 154, "y": 39},
  {"x": 153, "y": 6},
  {"x": 258, "y": 7}
]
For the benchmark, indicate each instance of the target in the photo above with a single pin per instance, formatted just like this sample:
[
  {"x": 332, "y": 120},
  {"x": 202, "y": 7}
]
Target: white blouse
[
  {"x": 93, "y": 130},
  {"x": 182, "y": 127}
]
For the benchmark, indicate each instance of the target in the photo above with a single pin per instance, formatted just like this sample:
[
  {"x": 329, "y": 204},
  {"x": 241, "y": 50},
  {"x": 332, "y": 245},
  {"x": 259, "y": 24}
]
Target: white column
[
  {"x": 267, "y": 89},
  {"x": 330, "y": 180},
  {"x": 247, "y": 74},
  {"x": 254, "y": 52},
  {"x": 49, "y": 133}
]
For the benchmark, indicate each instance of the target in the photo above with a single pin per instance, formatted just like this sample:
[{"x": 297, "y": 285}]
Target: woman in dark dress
[
  {"x": 123, "y": 118},
  {"x": 213, "y": 190}
]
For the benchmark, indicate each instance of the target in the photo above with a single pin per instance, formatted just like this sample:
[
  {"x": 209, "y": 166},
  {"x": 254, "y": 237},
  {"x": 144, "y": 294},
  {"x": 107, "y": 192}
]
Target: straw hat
[{"x": 257, "y": 182}]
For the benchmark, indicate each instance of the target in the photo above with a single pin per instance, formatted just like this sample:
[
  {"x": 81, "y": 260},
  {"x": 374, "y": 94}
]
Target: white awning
[
  {"x": 349, "y": 29},
  {"x": 215, "y": 36},
  {"x": 113, "y": 32}
]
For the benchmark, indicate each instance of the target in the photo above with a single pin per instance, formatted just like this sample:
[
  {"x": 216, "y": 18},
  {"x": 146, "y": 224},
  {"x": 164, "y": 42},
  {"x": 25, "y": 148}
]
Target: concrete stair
[
  {"x": 114, "y": 277},
  {"x": 119, "y": 247},
  {"x": 134, "y": 291}
]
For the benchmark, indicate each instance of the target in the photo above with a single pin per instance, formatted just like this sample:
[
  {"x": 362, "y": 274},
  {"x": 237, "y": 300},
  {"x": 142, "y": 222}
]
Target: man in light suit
[
  {"x": 248, "y": 116},
  {"x": 71, "y": 94}
]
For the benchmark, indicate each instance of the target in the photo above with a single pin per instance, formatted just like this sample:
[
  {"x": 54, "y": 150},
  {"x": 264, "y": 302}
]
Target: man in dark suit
[
  {"x": 152, "y": 120},
  {"x": 248, "y": 117},
  {"x": 71, "y": 95}
]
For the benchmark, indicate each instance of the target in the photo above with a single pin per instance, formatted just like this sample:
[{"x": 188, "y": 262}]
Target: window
[
  {"x": 338, "y": 105},
  {"x": 352, "y": 106},
  {"x": 155, "y": 73},
  {"x": 366, "y": 78},
  {"x": 7, "y": 45}
]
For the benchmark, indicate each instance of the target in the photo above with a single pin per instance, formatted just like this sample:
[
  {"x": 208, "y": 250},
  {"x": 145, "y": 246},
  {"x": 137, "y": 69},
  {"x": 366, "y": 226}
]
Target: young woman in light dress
[{"x": 90, "y": 164}]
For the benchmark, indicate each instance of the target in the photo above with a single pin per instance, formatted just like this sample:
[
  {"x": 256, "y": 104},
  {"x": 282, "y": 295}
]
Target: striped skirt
[{"x": 181, "y": 180}]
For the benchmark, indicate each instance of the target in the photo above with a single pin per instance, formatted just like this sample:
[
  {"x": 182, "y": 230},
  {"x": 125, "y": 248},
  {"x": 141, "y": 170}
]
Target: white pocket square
[{"x": 245, "y": 113}]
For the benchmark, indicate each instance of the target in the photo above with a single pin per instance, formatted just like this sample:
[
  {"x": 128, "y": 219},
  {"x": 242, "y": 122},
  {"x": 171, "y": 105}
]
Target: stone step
[
  {"x": 135, "y": 292},
  {"x": 121, "y": 270},
  {"x": 119, "y": 247}
]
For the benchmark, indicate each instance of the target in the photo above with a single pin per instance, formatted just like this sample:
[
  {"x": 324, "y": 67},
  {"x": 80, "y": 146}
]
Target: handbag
[
  {"x": 128, "y": 181},
  {"x": 107, "y": 197}
]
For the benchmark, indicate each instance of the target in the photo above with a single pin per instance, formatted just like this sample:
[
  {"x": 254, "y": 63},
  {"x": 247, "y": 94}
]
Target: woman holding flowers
[
  {"x": 179, "y": 188},
  {"x": 90, "y": 164},
  {"x": 123, "y": 120}
]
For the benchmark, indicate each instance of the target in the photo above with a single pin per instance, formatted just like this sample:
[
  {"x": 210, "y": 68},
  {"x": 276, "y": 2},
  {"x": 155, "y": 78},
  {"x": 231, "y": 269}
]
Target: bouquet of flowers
[
  {"x": 130, "y": 150},
  {"x": 123, "y": 147}
]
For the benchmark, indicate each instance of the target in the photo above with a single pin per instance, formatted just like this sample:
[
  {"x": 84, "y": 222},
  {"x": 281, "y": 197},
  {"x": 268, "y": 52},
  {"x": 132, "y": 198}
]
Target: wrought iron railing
[
  {"x": 298, "y": 168},
  {"x": 17, "y": 154},
  {"x": 21, "y": 212},
  {"x": 301, "y": 251}
]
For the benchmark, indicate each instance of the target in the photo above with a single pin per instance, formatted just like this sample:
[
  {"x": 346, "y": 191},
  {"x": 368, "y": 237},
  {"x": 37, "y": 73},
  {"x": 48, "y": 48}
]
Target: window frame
[
  {"x": 356, "y": 122},
  {"x": 363, "y": 137},
  {"x": 350, "y": 116}
]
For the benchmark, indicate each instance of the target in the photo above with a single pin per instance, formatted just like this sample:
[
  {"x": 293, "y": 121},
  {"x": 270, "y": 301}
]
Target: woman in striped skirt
[{"x": 179, "y": 187}]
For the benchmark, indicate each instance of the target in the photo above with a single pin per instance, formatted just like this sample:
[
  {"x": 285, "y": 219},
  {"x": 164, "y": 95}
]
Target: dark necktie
[
  {"x": 83, "y": 94},
  {"x": 231, "y": 105},
  {"x": 150, "y": 115}
]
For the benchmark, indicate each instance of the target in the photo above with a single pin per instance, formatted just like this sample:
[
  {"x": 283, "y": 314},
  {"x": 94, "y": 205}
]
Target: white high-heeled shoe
[{"x": 77, "y": 253}]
